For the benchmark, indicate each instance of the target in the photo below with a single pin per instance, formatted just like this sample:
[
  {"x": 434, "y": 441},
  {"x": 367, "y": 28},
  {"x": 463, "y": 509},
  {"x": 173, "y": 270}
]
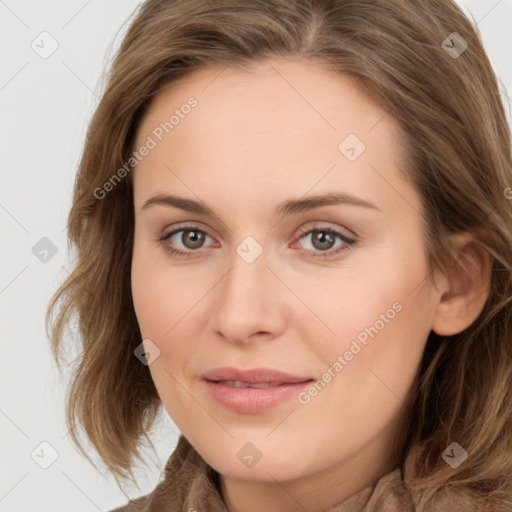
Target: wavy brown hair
[{"x": 459, "y": 159}]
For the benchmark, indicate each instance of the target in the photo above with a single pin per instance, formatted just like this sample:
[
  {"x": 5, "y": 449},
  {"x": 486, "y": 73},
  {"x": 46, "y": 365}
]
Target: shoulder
[{"x": 187, "y": 479}]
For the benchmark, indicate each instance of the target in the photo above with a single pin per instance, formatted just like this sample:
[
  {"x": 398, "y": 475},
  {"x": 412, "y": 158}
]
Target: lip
[
  {"x": 284, "y": 386},
  {"x": 254, "y": 375}
]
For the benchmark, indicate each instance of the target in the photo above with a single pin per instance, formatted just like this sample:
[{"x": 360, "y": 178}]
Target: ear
[{"x": 463, "y": 288}]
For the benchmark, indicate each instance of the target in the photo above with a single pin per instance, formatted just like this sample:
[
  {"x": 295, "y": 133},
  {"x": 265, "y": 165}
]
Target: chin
[{"x": 282, "y": 465}]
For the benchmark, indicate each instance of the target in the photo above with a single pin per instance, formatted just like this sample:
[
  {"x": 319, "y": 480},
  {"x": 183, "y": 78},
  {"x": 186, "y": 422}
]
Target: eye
[
  {"x": 323, "y": 240},
  {"x": 191, "y": 239}
]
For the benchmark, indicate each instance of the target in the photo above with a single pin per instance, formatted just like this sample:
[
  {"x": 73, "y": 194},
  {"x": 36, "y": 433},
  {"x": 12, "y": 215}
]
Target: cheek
[
  {"x": 168, "y": 303},
  {"x": 368, "y": 368},
  {"x": 376, "y": 319},
  {"x": 358, "y": 305},
  {"x": 162, "y": 295},
  {"x": 162, "y": 301}
]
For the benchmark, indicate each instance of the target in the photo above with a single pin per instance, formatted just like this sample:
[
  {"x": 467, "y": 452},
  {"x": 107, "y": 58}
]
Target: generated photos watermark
[{"x": 151, "y": 142}]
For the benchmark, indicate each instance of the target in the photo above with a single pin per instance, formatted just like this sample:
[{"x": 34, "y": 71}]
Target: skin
[{"x": 252, "y": 142}]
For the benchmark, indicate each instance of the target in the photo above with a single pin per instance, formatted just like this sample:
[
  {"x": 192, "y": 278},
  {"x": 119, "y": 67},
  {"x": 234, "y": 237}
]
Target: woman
[{"x": 294, "y": 232}]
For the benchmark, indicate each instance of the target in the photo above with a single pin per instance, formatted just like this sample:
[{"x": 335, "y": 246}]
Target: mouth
[
  {"x": 240, "y": 384},
  {"x": 252, "y": 391},
  {"x": 251, "y": 376}
]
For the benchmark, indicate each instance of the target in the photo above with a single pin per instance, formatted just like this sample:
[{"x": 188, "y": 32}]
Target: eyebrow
[{"x": 288, "y": 207}]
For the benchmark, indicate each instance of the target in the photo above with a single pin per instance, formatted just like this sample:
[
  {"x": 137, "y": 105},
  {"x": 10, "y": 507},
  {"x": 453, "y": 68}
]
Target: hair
[{"x": 458, "y": 158}]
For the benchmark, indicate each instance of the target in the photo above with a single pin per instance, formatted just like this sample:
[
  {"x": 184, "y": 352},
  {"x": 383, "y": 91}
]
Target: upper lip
[{"x": 253, "y": 376}]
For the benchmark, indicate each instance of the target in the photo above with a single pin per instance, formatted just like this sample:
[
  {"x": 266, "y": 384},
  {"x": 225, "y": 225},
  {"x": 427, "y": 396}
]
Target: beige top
[{"x": 191, "y": 484}]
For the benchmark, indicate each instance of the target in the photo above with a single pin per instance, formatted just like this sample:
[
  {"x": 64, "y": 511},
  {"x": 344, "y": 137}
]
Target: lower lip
[{"x": 253, "y": 400}]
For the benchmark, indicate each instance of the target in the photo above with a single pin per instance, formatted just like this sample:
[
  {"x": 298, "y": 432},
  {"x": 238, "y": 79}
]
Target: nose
[{"x": 249, "y": 302}]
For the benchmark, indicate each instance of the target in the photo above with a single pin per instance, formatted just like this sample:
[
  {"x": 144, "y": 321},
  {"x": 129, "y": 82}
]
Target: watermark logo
[
  {"x": 45, "y": 45},
  {"x": 454, "y": 45},
  {"x": 454, "y": 455},
  {"x": 351, "y": 147},
  {"x": 249, "y": 249},
  {"x": 44, "y": 455},
  {"x": 147, "y": 352},
  {"x": 249, "y": 455},
  {"x": 44, "y": 250}
]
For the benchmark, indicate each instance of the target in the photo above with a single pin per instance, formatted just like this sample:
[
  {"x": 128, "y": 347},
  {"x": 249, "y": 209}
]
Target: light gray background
[{"x": 46, "y": 105}]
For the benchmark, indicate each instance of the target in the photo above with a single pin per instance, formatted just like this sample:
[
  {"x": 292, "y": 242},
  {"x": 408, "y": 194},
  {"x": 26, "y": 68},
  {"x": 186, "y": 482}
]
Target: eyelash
[{"x": 349, "y": 242}]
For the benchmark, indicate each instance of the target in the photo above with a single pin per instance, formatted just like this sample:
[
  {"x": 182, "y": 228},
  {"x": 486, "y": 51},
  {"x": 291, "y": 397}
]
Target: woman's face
[{"x": 275, "y": 276}]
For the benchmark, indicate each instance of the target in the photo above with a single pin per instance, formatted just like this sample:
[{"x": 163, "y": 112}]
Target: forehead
[
  {"x": 279, "y": 123},
  {"x": 274, "y": 91}
]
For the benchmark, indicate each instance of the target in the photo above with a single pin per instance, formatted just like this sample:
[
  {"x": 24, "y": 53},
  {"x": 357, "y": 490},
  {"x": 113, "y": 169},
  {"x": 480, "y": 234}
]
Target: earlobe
[{"x": 463, "y": 288}]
